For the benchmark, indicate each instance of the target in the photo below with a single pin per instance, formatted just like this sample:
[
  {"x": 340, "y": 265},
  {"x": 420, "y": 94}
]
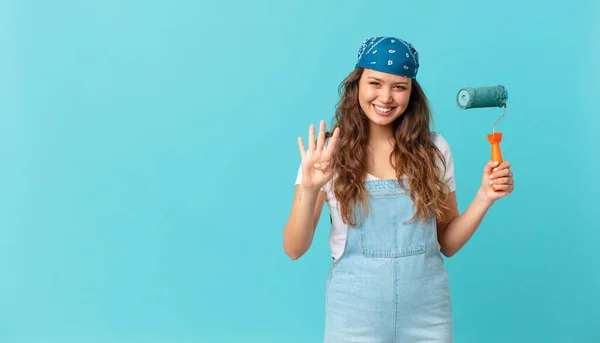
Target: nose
[{"x": 385, "y": 96}]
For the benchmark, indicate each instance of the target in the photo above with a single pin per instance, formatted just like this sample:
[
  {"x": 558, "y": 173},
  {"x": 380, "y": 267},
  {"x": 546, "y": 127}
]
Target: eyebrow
[{"x": 380, "y": 80}]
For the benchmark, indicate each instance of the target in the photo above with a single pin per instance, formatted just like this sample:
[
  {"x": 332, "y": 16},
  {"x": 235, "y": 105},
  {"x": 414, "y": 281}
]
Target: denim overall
[{"x": 390, "y": 284}]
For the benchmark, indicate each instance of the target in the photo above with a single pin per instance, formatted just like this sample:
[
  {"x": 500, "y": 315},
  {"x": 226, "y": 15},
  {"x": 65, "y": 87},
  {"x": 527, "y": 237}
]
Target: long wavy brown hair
[{"x": 414, "y": 154}]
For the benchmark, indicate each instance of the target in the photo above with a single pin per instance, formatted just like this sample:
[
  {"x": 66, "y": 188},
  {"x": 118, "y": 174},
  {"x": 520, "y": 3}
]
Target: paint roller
[{"x": 482, "y": 97}]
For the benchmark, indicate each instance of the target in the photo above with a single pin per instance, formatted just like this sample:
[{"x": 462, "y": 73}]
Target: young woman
[{"x": 389, "y": 184}]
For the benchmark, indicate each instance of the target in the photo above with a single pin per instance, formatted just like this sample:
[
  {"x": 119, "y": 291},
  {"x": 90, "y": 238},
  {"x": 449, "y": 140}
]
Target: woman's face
[{"x": 382, "y": 96}]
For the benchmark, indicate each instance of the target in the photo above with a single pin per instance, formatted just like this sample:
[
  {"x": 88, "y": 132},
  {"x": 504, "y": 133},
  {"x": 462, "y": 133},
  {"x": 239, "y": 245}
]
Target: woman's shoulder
[{"x": 440, "y": 142}]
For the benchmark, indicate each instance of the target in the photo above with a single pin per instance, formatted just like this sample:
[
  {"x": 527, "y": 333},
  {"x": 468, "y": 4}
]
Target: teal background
[{"x": 149, "y": 153}]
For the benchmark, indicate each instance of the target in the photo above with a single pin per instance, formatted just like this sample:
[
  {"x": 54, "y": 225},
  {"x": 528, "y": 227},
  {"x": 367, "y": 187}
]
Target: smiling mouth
[{"x": 382, "y": 110}]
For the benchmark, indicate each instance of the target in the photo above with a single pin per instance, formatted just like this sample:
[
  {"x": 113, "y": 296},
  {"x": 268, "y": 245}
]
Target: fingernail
[
  {"x": 495, "y": 169},
  {"x": 317, "y": 165},
  {"x": 491, "y": 176},
  {"x": 491, "y": 182},
  {"x": 495, "y": 163}
]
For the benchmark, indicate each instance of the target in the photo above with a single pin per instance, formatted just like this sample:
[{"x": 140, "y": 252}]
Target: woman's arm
[
  {"x": 456, "y": 230},
  {"x": 302, "y": 223},
  {"x": 316, "y": 170}
]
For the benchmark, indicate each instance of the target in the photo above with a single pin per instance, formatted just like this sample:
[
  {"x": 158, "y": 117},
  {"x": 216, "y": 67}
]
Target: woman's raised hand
[{"x": 317, "y": 168}]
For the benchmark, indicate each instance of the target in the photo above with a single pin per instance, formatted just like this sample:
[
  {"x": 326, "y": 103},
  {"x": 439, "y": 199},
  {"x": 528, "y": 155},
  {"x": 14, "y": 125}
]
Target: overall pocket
[{"x": 384, "y": 232}]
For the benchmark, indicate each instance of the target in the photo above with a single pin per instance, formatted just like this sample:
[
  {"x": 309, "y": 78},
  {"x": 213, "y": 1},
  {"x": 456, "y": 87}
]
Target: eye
[
  {"x": 374, "y": 83},
  {"x": 400, "y": 87}
]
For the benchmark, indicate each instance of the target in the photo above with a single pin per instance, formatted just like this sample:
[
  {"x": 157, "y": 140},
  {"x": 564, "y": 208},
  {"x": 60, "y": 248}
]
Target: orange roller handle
[{"x": 495, "y": 139}]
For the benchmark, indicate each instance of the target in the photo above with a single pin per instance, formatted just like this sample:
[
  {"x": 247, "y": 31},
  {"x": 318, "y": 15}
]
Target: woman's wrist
[{"x": 482, "y": 199}]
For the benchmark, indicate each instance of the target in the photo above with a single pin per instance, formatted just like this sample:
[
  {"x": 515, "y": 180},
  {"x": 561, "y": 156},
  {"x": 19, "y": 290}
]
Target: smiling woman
[
  {"x": 385, "y": 96},
  {"x": 388, "y": 181}
]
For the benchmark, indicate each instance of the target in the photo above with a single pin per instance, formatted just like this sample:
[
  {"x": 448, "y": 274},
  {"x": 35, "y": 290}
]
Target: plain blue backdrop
[{"x": 149, "y": 152}]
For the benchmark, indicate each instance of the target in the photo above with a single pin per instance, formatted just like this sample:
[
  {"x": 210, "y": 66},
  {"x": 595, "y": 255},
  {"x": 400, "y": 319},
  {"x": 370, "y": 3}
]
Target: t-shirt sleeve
[{"x": 444, "y": 148}]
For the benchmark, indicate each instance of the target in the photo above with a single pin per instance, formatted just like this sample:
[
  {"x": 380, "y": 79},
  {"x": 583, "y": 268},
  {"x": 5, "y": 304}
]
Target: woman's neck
[{"x": 380, "y": 135}]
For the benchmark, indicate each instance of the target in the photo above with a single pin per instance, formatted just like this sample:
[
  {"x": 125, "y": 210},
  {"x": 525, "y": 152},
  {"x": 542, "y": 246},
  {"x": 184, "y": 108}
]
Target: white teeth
[{"x": 382, "y": 109}]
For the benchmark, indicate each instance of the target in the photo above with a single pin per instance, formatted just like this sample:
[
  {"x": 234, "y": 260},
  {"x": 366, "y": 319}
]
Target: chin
[{"x": 381, "y": 121}]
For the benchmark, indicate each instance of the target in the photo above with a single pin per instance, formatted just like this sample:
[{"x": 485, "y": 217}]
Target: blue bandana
[{"x": 389, "y": 55}]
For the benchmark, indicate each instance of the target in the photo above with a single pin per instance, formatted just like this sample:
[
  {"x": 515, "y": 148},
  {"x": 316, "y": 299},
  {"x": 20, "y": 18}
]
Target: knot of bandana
[{"x": 389, "y": 55}]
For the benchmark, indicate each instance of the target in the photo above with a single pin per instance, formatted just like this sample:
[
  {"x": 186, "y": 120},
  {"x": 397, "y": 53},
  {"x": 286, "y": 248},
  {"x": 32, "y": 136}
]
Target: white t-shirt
[{"x": 337, "y": 233}]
